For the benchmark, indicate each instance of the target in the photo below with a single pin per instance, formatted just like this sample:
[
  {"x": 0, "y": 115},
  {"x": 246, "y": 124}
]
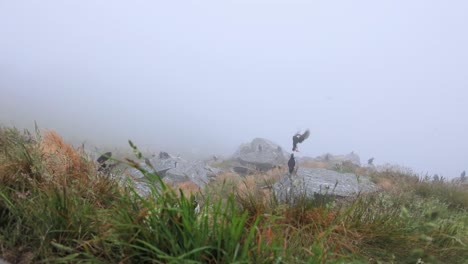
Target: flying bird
[
  {"x": 291, "y": 164},
  {"x": 299, "y": 138}
]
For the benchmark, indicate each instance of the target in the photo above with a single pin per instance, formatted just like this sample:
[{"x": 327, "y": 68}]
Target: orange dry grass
[
  {"x": 361, "y": 171},
  {"x": 318, "y": 217},
  {"x": 61, "y": 160},
  {"x": 385, "y": 184},
  {"x": 315, "y": 164},
  {"x": 188, "y": 187},
  {"x": 228, "y": 176},
  {"x": 254, "y": 192},
  {"x": 253, "y": 188},
  {"x": 247, "y": 185},
  {"x": 299, "y": 228}
]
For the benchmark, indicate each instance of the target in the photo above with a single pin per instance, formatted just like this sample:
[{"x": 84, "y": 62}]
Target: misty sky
[{"x": 387, "y": 79}]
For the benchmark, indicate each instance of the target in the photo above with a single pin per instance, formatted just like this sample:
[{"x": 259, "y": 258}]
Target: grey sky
[{"x": 387, "y": 79}]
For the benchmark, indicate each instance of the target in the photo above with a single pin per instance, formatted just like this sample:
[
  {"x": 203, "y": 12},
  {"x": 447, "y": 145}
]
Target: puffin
[
  {"x": 291, "y": 164},
  {"x": 299, "y": 138}
]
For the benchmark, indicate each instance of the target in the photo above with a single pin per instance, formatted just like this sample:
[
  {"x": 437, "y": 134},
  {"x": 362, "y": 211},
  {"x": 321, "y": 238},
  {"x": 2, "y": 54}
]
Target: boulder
[
  {"x": 164, "y": 155},
  {"x": 312, "y": 181},
  {"x": 173, "y": 170},
  {"x": 261, "y": 154},
  {"x": 199, "y": 173},
  {"x": 165, "y": 163},
  {"x": 339, "y": 159},
  {"x": 212, "y": 172},
  {"x": 176, "y": 175},
  {"x": 243, "y": 171}
]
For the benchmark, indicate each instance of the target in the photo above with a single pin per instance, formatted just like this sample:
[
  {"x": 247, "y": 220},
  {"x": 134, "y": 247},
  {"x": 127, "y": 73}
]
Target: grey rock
[
  {"x": 165, "y": 164},
  {"x": 261, "y": 154},
  {"x": 308, "y": 182},
  {"x": 242, "y": 170},
  {"x": 338, "y": 159},
  {"x": 137, "y": 174},
  {"x": 199, "y": 173},
  {"x": 176, "y": 175},
  {"x": 164, "y": 155},
  {"x": 212, "y": 172},
  {"x": 173, "y": 170}
]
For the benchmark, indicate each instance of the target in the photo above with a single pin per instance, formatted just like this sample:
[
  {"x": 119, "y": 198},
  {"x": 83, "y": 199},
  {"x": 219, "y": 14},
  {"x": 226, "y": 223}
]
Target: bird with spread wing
[{"x": 299, "y": 138}]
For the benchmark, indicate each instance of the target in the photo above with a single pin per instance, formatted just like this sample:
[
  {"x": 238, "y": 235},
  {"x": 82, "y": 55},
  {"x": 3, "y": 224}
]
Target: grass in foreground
[{"x": 55, "y": 208}]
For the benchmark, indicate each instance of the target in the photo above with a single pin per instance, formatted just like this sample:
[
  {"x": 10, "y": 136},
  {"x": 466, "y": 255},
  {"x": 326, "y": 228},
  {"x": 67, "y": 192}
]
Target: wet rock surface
[
  {"x": 172, "y": 170},
  {"x": 257, "y": 156},
  {"x": 262, "y": 154},
  {"x": 337, "y": 159},
  {"x": 311, "y": 181}
]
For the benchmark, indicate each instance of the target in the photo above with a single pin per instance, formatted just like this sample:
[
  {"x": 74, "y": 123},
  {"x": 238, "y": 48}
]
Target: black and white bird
[
  {"x": 102, "y": 161},
  {"x": 291, "y": 164},
  {"x": 299, "y": 138},
  {"x": 104, "y": 157}
]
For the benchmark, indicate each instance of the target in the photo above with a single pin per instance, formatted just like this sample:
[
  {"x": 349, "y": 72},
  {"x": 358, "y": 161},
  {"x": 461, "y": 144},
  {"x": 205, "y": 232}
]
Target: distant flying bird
[
  {"x": 291, "y": 164},
  {"x": 299, "y": 138}
]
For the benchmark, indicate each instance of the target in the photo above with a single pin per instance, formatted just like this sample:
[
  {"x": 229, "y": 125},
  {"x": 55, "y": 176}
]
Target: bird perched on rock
[
  {"x": 299, "y": 138},
  {"x": 291, "y": 164},
  {"x": 102, "y": 159}
]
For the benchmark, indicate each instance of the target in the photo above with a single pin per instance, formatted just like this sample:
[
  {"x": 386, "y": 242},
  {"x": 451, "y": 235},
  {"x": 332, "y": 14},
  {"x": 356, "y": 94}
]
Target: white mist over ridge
[{"x": 385, "y": 80}]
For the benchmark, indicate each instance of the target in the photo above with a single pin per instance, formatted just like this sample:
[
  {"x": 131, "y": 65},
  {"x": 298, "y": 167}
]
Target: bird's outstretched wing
[{"x": 304, "y": 136}]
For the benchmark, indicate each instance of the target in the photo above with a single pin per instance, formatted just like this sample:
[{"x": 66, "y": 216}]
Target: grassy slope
[{"x": 55, "y": 207}]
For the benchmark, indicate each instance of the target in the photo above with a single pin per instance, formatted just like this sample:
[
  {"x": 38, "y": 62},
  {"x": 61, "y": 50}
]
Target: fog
[{"x": 385, "y": 79}]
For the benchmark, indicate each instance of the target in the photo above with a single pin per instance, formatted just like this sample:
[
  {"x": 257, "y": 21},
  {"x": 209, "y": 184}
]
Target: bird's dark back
[{"x": 104, "y": 157}]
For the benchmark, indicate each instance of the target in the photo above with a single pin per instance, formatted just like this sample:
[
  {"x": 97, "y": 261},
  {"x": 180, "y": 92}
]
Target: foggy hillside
[{"x": 385, "y": 80}]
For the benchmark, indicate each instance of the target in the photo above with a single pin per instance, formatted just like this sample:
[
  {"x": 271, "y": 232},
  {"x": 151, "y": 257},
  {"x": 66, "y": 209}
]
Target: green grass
[{"x": 55, "y": 208}]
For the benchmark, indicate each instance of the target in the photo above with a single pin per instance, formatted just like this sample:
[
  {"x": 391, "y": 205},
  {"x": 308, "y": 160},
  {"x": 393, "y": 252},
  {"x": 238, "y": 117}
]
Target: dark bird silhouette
[
  {"x": 299, "y": 138},
  {"x": 104, "y": 157},
  {"x": 291, "y": 164},
  {"x": 463, "y": 174},
  {"x": 370, "y": 161}
]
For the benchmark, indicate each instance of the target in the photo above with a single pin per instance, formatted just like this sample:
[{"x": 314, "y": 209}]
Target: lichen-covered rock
[
  {"x": 243, "y": 171},
  {"x": 338, "y": 159},
  {"x": 172, "y": 170},
  {"x": 261, "y": 154},
  {"x": 311, "y": 181}
]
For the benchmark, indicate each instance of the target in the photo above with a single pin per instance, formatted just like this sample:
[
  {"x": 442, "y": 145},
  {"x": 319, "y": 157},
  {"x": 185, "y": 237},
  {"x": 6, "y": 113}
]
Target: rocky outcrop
[
  {"x": 172, "y": 170},
  {"x": 243, "y": 171},
  {"x": 261, "y": 154},
  {"x": 309, "y": 182},
  {"x": 339, "y": 159}
]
